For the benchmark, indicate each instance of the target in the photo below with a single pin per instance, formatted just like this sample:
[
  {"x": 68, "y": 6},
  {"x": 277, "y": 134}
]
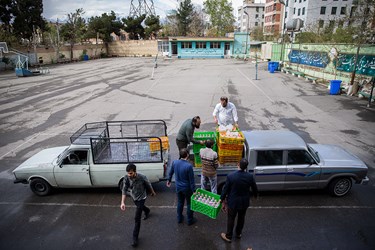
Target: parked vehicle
[
  {"x": 282, "y": 160},
  {"x": 98, "y": 155}
]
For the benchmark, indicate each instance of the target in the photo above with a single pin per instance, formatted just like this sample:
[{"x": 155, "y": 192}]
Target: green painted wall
[{"x": 327, "y": 61}]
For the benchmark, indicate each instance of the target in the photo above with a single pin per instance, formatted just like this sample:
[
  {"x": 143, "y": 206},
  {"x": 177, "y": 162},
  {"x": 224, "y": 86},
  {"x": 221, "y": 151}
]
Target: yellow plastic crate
[
  {"x": 223, "y": 139},
  {"x": 229, "y": 159},
  {"x": 155, "y": 143},
  {"x": 229, "y": 152}
]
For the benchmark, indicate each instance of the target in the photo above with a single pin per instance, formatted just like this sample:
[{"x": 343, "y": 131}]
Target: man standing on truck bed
[
  {"x": 186, "y": 133},
  {"x": 209, "y": 165},
  {"x": 138, "y": 184},
  {"x": 237, "y": 192},
  {"x": 185, "y": 185},
  {"x": 225, "y": 113}
]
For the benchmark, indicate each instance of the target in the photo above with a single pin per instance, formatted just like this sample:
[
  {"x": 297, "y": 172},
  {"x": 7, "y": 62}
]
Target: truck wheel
[
  {"x": 340, "y": 186},
  {"x": 40, "y": 187}
]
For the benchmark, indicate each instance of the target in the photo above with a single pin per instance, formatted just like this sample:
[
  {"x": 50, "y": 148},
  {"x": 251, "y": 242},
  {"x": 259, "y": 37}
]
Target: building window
[
  {"x": 163, "y": 46},
  {"x": 214, "y": 45},
  {"x": 256, "y": 23},
  {"x": 287, "y": 3},
  {"x": 334, "y": 10},
  {"x": 256, "y": 16},
  {"x": 186, "y": 45},
  {"x": 299, "y": 12},
  {"x": 200, "y": 45},
  {"x": 257, "y": 9},
  {"x": 303, "y": 11},
  {"x": 322, "y": 10},
  {"x": 300, "y": 1},
  {"x": 343, "y": 11},
  {"x": 321, "y": 23},
  {"x": 331, "y": 24},
  {"x": 286, "y": 14},
  {"x": 294, "y": 11}
]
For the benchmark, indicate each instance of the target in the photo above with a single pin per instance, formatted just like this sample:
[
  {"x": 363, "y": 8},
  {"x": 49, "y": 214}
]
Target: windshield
[
  {"x": 314, "y": 153},
  {"x": 60, "y": 157}
]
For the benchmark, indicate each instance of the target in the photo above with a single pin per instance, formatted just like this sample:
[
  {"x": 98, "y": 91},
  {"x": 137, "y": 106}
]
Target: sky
[{"x": 58, "y": 9}]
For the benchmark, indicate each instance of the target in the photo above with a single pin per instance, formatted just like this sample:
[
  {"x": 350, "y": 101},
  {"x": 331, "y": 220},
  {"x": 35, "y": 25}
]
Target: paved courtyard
[{"x": 44, "y": 111}]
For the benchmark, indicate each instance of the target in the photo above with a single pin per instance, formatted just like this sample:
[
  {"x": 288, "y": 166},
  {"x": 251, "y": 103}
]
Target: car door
[
  {"x": 269, "y": 171},
  {"x": 74, "y": 170},
  {"x": 302, "y": 170}
]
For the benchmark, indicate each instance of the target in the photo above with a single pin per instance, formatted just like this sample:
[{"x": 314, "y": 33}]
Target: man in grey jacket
[
  {"x": 186, "y": 133},
  {"x": 138, "y": 185}
]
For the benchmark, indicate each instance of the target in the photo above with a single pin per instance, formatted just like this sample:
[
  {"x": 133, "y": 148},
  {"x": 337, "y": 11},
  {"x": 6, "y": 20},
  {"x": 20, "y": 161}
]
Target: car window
[
  {"x": 299, "y": 157},
  {"x": 269, "y": 157},
  {"x": 76, "y": 157}
]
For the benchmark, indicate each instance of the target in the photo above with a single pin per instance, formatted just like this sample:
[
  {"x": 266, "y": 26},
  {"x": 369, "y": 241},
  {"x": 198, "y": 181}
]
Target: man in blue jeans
[{"x": 185, "y": 185}]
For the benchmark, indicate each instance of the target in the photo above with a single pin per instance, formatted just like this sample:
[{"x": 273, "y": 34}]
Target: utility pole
[
  {"x": 58, "y": 40},
  {"x": 247, "y": 32}
]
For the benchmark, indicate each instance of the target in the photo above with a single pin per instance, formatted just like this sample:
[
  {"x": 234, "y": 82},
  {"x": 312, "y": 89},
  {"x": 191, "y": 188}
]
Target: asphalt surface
[{"x": 44, "y": 111}]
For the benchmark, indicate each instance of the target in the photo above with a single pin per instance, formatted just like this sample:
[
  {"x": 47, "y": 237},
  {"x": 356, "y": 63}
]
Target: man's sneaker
[
  {"x": 192, "y": 222},
  {"x": 224, "y": 237},
  {"x": 135, "y": 243},
  {"x": 146, "y": 215},
  {"x": 181, "y": 220}
]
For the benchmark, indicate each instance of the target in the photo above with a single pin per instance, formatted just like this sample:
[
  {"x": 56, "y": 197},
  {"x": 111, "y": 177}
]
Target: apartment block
[
  {"x": 254, "y": 17},
  {"x": 273, "y": 18}
]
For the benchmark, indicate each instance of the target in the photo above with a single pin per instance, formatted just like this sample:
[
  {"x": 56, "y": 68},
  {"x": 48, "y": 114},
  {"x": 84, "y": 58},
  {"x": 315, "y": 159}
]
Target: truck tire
[
  {"x": 40, "y": 187},
  {"x": 340, "y": 186}
]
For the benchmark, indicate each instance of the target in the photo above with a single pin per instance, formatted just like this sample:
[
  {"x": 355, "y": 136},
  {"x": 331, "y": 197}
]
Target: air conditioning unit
[{"x": 294, "y": 24}]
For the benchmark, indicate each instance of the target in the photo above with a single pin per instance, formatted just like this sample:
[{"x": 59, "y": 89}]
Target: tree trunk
[
  {"x": 71, "y": 51},
  {"x": 355, "y": 65}
]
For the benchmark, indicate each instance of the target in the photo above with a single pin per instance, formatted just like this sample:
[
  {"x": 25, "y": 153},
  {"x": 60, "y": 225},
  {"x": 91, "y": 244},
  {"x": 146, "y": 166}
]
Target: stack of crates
[
  {"x": 230, "y": 148},
  {"x": 199, "y": 136},
  {"x": 155, "y": 143}
]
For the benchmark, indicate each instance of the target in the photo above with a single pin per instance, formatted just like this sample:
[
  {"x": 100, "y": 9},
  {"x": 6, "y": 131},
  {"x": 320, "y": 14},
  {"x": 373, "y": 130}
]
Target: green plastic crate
[
  {"x": 197, "y": 161},
  {"x": 199, "y": 136},
  {"x": 203, "y": 208}
]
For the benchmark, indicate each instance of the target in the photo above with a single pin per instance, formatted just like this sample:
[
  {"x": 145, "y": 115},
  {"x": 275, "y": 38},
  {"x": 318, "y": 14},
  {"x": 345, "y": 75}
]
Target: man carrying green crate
[
  {"x": 185, "y": 185},
  {"x": 239, "y": 187},
  {"x": 210, "y": 163},
  {"x": 186, "y": 133}
]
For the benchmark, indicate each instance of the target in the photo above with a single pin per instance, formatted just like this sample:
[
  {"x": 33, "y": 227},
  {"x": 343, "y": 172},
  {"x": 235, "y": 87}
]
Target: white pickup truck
[
  {"x": 282, "y": 160},
  {"x": 98, "y": 155}
]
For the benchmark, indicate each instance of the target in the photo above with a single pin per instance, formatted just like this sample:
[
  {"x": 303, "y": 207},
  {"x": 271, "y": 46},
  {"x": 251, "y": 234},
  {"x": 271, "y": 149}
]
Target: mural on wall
[
  {"x": 310, "y": 58},
  {"x": 365, "y": 64},
  {"x": 201, "y": 51}
]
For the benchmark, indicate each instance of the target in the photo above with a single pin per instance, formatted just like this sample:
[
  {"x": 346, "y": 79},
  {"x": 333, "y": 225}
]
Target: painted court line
[
  {"x": 13, "y": 150},
  {"x": 269, "y": 98},
  {"x": 174, "y": 207}
]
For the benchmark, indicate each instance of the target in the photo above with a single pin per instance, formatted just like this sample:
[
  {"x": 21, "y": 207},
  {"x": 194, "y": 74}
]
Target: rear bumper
[
  {"x": 365, "y": 181},
  {"x": 24, "y": 181}
]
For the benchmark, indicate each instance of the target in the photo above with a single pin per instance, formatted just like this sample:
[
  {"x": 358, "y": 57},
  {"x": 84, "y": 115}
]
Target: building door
[
  {"x": 174, "y": 48},
  {"x": 227, "y": 49}
]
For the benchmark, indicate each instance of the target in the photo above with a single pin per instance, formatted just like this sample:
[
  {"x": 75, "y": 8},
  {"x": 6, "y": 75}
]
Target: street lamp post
[{"x": 247, "y": 31}]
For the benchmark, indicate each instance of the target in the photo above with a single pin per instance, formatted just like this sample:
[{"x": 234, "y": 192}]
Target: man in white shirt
[{"x": 225, "y": 113}]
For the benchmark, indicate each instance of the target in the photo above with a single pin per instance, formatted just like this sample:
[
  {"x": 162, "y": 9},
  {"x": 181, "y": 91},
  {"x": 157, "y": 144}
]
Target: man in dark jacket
[
  {"x": 185, "y": 185},
  {"x": 138, "y": 185},
  {"x": 237, "y": 193},
  {"x": 186, "y": 133}
]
